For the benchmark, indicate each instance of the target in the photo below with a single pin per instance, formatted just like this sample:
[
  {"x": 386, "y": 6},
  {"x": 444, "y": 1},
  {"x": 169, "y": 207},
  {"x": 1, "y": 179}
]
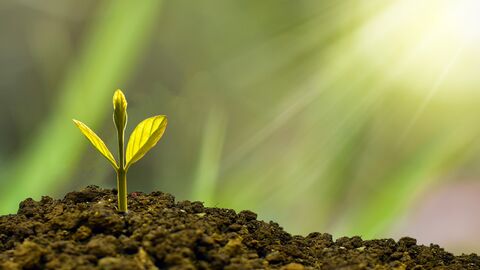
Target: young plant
[{"x": 143, "y": 138}]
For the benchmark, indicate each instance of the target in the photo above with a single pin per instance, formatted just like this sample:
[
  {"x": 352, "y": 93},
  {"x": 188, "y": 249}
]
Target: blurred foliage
[{"x": 321, "y": 115}]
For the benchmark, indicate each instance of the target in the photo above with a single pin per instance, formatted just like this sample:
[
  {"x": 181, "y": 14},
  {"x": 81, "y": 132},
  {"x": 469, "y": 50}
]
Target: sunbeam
[{"x": 431, "y": 93}]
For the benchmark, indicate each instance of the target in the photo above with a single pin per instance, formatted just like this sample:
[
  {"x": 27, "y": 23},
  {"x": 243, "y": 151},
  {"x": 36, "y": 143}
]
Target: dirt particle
[
  {"x": 115, "y": 263},
  {"x": 201, "y": 214},
  {"x": 9, "y": 265},
  {"x": 28, "y": 254},
  {"x": 102, "y": 246},
  {"x": 143, "y": 259},
  {"x": 235, "y": 227},
  {"x": 407, "y": 242},
  {"x": 275, "y": 257},
  {"x": 82, "y": 233},
  {"x": 246, "y": 216},
  {"x": 207, "y": 240},
  {"x": 293, "y": 266}
]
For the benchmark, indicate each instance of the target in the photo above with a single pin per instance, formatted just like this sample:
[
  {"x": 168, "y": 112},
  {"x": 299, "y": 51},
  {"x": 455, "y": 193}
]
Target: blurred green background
[{"x": 348, "y": 117}]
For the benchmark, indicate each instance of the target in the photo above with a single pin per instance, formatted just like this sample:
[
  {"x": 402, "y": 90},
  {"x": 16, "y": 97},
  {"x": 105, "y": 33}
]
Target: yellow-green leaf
[
  {"x": 144, "y": 137},
  {"x": 119, "y": 110},
  {"x": 97, "y": 142}
]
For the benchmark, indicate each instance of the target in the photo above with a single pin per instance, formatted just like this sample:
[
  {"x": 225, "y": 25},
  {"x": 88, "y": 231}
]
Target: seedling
[{"x": 143, "y": 138}]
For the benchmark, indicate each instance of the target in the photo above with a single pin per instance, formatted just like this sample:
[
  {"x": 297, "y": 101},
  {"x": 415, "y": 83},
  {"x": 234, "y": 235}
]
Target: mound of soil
[{"x": 84, "y": 231}]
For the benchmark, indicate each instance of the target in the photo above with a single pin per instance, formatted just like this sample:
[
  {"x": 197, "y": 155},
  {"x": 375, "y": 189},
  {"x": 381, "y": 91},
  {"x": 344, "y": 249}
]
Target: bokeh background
[{"x": 348, "y": 117}]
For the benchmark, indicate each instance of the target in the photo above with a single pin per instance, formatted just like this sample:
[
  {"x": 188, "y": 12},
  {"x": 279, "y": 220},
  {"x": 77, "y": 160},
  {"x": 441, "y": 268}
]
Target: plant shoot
[{"x": 143, "y": 138}]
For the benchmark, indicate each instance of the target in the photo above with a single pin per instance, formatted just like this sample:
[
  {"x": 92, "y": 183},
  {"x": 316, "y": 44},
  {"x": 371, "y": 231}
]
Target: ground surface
[{"x": 84, "y": 231}]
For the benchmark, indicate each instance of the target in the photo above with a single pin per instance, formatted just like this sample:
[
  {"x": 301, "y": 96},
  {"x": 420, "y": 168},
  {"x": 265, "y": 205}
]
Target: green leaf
[
  {"x": 97, "y": 142},
  {"x": 144, "y": 137}
]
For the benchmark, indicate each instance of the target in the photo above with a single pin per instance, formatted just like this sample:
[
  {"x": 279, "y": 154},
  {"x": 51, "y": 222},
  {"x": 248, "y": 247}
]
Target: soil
[{"x": 84, "y": 231}]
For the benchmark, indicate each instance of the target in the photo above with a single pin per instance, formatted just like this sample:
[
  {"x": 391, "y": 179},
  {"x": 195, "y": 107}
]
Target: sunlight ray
[{"x": 431, "y": 93}]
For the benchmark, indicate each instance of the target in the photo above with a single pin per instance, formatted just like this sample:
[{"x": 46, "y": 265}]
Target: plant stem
[
  {"x": 122, "y": 190},
  {"x": 121, "y": 151},
  {"x": 121, "y": 173}
]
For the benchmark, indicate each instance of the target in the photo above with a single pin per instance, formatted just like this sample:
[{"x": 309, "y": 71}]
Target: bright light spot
[
  {"x": 430, "y": 48},
  {"x": 464, "y": 16}
]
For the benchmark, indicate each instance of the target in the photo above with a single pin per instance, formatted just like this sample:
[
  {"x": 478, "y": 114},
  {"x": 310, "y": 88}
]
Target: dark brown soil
[{"x": 84, "y": 231}]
